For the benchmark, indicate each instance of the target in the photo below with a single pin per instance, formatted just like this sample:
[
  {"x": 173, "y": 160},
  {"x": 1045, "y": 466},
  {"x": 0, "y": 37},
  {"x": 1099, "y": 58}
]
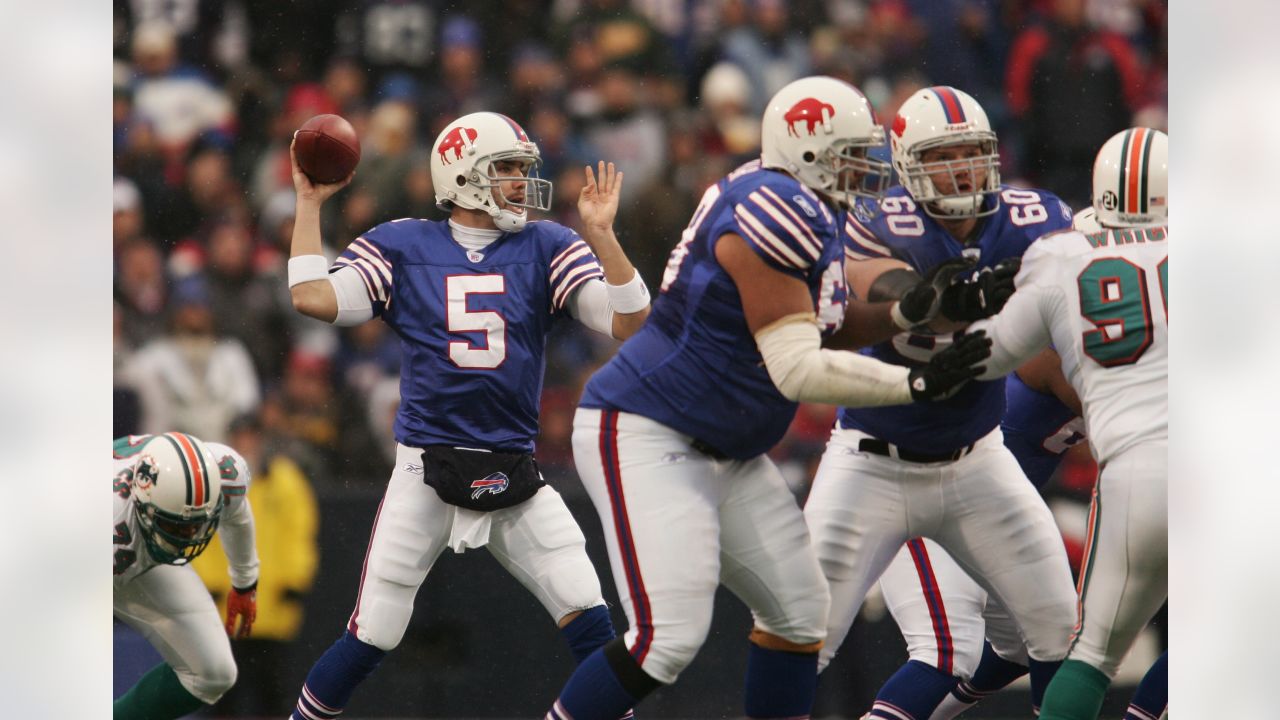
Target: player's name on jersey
[{"x": 1127, "y": 237}]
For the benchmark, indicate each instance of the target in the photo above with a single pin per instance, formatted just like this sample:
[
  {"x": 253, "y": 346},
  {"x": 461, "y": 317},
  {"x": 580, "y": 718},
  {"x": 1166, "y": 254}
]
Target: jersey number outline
[
  {"x": 459, "y": 319},
  {"x": 1113, "y": 296},
  {"x": 124, "y": 557},
  {"x": 1025, "y": 207},
  {"x": 681, "y": 250}
]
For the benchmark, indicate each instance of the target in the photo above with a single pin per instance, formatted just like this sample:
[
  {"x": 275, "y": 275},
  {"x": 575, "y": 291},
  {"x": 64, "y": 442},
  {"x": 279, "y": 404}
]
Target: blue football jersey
[
  {"x": 472, "y": 325},
  {"x": 904, "y": 231},
  {"x": 1038, "y": 429},
  {"x": 694, "y": 365}
]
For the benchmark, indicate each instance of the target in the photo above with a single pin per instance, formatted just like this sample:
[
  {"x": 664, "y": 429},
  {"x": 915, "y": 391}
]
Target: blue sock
[
  {"x": 780, "y": 684},
  {"x": 592, "y": 693},
  {"x": 335, "y": 676},
  {"x": 994, "y": 672},
  {"x": 1041, "y": 673},
  {"x": 1152, "y": 696},
  {"x": 915, "y": 691},
  {"x": 588, "y": 632}
]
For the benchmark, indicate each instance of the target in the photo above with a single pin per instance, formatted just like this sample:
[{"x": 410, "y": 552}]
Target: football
[{"x": 327, "y": 148}]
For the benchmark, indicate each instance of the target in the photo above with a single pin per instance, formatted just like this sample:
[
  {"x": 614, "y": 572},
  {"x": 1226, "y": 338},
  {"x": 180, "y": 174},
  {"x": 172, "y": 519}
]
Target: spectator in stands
[
  {"x": 127, "y": 223},
  {"x": 769, "y": 50},
  {"x": 626, "y": 130},
  {"x": 192, "y": 380},
  {"x": 141, "y": 291},
  {"x": 1072, "y": 87},
  {"x": 463, "y": 86},
  {"x": 179, "y": 101},
  {"x": 287, "y": 519}
]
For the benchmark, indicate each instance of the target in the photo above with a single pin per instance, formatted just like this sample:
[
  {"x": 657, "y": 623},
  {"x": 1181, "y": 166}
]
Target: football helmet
[
  {"x": 819, "y": 129},
  {"x": 177, "y": 491},
  {"x": 1131, "y": 179},
  {"x": 942, "y": 116},
  {"x": 462, "y": 169}
]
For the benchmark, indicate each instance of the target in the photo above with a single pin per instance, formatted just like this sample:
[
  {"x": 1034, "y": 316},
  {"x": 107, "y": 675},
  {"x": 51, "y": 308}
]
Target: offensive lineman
[
  {"x": 670, "y": 435},
  {"x": 472, "y": 300},
  {"x": 172, "y": 492},
  {"x": 1102, "y": 300},
  {"x": 939, "y": 471}
]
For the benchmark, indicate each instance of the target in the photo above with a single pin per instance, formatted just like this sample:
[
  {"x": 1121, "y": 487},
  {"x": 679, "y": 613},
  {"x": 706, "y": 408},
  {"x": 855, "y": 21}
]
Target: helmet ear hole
[
  {"x": 461, "y": 180},
  {"x": 808, "y": 156}
]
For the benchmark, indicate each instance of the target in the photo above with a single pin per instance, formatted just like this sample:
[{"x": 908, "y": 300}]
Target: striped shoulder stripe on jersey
[
  {"x": 193, "y": 466},
  {"x": 1135, "y": 155},
  {"x": 814, "y": 245},
  {"x": 858, "y": 235},
  {"x": 950, "y": 103}
]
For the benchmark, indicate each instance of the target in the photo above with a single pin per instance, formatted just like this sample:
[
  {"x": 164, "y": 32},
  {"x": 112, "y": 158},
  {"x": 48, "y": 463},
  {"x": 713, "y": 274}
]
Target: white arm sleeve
[
  {"x": 236, "y": 526},
  {"x": 354, "y": 306},
  {"x": 804, "y": 372},
  {"x": 590, "y": 306},
  {"x": 1021, "y": 328}
]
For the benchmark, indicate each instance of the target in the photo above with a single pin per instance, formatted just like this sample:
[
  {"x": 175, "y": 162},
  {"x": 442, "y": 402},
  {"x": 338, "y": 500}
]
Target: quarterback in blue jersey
[
  {"x": 939, "y": 471},
  {"x": 670, "y": 437},
  {"x": 472, "y": 299}
]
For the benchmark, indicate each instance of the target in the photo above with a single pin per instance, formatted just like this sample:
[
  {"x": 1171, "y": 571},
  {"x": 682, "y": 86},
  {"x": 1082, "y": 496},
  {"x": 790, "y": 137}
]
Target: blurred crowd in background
[{"x": 207, "y": 94}]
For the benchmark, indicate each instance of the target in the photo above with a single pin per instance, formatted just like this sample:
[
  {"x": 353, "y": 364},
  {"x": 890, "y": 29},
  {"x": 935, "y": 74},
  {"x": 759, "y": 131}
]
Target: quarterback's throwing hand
[
  {"x": 951, "y": 368},
  {"x": 598, "y": 201},
  {"x": 242, "y": 604}
]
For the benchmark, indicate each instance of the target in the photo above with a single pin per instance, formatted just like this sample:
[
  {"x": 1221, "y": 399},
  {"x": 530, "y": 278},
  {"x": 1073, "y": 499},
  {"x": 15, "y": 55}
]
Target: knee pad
[
  {"x": 212, "y": 681},
  {"x": 770, "y": 641}
]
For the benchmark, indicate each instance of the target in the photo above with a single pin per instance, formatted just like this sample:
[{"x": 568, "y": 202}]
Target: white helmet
[
  {"x": 462, "y": 168},
  {"x": 817, "y": 127},
  {"x": 1131, "y": 179},
  {"x": 941, "y": 116},
  {"x": 177, "y": 490}
]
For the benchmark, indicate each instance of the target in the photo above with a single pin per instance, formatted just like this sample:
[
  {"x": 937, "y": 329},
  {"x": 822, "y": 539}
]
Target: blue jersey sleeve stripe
[
  {"x": 364, "y": 275},
  {"x": 746, "y": 224},
  {"x": 362, "y": 248},
  {"x": 575, "y": 255},
  {"x": 813, "y": 245},
  {"x": 799, "y": 241},
  {"x": 575, "y": 278},
  {"x": 768, "y": 241}
]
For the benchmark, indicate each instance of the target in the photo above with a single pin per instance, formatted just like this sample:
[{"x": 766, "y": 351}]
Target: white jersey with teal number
[
  {"x": 130, "y": 556},
  {"x": 1102, "y": 299}
]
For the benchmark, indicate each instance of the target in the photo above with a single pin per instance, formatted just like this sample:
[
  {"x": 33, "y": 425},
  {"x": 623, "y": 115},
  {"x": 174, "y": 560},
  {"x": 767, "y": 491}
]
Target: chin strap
[{"x": 508, "y": 221}]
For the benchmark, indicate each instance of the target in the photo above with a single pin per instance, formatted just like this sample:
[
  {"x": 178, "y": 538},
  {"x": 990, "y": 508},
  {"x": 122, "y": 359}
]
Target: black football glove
[
  {"x": 951, "y": 368},
  {"x": 922, "y": 303},
  {"x": 982, "y": 296}
]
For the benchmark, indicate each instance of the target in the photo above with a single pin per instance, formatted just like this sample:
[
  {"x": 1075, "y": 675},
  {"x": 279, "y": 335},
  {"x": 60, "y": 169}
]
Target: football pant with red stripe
[
  {"x": 981, "y": 509},
  {"x": 678, "y": 524},
  {"x": 537, "y": 541}
]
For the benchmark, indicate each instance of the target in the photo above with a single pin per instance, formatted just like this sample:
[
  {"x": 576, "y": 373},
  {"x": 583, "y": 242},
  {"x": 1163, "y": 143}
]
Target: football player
[
  {"x": 892, "y": 476},
  {"x": 171, "y": 493},
  {"x": 1102, "y": 300},
  {"x": 472, "y": 299},
  {"x": 671, "y": 435}
]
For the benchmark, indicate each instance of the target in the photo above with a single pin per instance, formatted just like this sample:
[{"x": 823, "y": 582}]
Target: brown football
[{"x": 327, "y": 148}]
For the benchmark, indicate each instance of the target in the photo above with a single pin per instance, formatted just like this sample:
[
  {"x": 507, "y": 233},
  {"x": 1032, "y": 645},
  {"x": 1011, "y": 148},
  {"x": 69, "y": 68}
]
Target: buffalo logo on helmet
[
  {"x": 899, "y": 125},
  {"x": 495, "y": 483},
  {"x": 454, "y": 141},
  {"x": 809, "y": 111}
]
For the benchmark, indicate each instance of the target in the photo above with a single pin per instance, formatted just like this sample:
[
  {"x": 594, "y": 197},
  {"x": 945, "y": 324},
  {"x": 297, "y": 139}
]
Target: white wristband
[
  {"x": 895, "y": 312},
  {"x": 632, "y": 296},
  {"x": 305, "y": 268}
]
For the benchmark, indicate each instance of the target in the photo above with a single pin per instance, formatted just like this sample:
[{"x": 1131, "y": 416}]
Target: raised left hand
[
  {"x": 598, "y": 201},
  {"x": 242, "y": 604}
]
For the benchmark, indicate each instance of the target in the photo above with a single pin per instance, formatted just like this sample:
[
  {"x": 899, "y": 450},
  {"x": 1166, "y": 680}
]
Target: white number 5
[{"x": 494, "y": 350}]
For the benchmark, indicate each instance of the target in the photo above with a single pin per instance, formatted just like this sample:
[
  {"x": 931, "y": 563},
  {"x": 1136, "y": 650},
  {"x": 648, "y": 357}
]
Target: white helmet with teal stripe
[
  {"x": 178, "y": 494},
  {"x": 1131, "y": 179}
]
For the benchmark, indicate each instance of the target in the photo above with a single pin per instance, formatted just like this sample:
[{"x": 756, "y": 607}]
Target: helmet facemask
[
  {"x": 537, "y": 190},
  {"x": 852, "y": 174},
  {"x": 916, "y": 176},
  {"x": 175, "y": 539}
]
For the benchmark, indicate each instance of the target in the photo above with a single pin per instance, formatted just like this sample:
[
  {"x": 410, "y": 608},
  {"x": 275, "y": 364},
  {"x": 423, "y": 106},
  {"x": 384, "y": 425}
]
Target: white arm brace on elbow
[{"x": 804, "y": 372}]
